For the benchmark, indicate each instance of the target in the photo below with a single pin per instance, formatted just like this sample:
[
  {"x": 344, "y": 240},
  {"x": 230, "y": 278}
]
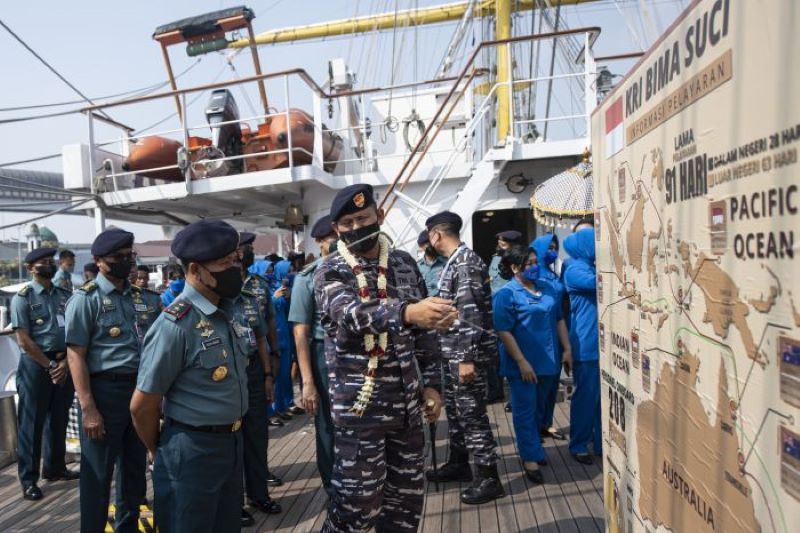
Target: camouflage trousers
[
  {"x": 377, "y": 480},
  {"x": 467, "y": 421}
]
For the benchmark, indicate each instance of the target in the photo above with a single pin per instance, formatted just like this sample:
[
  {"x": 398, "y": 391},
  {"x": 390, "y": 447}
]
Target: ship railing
[{"x": 457, "y": 92}]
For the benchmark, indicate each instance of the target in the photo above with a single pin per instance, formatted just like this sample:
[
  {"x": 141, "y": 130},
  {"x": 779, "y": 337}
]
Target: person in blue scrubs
[
  {"x": 580, "y": 279},
  {"x": 546, "y": 248},
  {"x": 528, "y": 321},
  {"x": 284, "y": 391}
]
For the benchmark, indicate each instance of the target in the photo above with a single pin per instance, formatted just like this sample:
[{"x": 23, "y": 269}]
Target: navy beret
[
  {"x": 322, "y": 228},
  {"x": 205, "y": 240},
  {"x": 91, "y": 267},
  {"x": 39, "y": 253},
  {"x": 351, "y": 199},
  {"x": 111, "y": 240},
  {"x": 246, "y": 237},
  {"x": 445, "y": 217},
  {"x": 423, "y": 238},
  {"x": 512, "y": 236}
]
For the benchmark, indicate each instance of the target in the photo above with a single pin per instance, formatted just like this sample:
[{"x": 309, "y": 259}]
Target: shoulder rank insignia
[
  {"x": 88, "y": 286},
  {"x": 24, "y": 290},
  {"x": 178, "y": 309},
  {"x": 62, "y": 289},
  {"x": 246, "y": 292}
]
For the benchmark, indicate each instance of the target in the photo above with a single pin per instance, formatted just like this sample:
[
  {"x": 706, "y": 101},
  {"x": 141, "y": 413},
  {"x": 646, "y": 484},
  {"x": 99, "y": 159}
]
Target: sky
[{"x": 105, "y": 48}]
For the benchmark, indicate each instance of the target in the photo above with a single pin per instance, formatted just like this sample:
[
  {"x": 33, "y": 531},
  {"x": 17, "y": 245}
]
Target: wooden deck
[{"x": 569, "y": 501}]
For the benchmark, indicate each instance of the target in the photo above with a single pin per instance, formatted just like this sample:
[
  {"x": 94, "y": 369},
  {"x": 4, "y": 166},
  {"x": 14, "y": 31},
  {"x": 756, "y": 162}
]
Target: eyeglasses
[{"x": 119, "y": 258}]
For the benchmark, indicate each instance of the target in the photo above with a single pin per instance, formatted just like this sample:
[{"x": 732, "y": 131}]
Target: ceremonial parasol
[{"x": 568, "y": 195}]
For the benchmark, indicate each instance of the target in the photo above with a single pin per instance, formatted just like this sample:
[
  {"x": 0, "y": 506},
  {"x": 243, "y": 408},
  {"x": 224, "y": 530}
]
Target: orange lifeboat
[{"x": 274, "y": 136}]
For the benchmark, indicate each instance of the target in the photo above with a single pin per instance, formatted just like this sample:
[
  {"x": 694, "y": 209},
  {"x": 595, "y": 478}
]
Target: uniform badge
[
  {"x": 203, "y": 324},
  {"x": 141, "y": 308},
  {"x": 107, "y": 301},
  {"x": 206, "y": 333},
  {"x": 236, "y": 426},
  {"x": 219, "y": 373},
  {"x": 359, "y": 200},
  {"x": 39, "y": 321},
  {"x": 115, "y": 331}
]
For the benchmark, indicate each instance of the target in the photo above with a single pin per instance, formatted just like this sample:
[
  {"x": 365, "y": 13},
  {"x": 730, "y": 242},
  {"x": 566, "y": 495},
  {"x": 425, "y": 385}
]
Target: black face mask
[
  {"x": 46, "y": 271},
  {"x": 430, "y": 251},
  {"x": 120, "y": 270},
  {"x": 362, "y": 239},
  {"x": 248, "y": 258},
  {"x": 229, "y": 281}
]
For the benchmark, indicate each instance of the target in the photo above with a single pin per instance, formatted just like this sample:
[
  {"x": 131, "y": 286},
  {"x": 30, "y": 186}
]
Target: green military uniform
[
  {"x": 43, "y": 406},
  {"x": 303, "y": 310},
  {"x": 111, "y": 325},
  {"x": 196, "y": 357}
]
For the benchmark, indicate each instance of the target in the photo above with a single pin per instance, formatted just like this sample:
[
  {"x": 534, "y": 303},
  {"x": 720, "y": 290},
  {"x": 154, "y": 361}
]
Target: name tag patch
[
  {"x": 141, "y": 308},
  {"x": 210, "y": 343}
]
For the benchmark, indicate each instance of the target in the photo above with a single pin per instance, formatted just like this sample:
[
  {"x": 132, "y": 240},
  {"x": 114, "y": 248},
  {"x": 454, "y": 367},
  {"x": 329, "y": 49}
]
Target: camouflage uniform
[
  {"x": 379, "y": 457},
  {"x": 465, "y": 281}
]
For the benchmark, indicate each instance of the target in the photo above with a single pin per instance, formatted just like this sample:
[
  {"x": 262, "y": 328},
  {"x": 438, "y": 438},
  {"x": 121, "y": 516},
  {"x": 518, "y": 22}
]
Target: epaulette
[
  {"x": 89, "y": 286},
  {"x": 62, "y": 289},
  {"x": 24, "y": 290},
  {"x": 246, "y": 292},
  {"x": 178, "y": 309},
  {"x": 151, "y": 291}
]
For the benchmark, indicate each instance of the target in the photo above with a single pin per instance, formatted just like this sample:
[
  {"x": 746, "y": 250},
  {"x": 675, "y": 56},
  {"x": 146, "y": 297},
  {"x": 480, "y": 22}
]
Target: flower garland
[{"x": 374, "y": 350}]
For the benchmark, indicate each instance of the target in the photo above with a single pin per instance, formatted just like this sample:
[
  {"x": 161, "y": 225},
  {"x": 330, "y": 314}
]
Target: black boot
[
  {"x": 485, "y": 488},
  {"x": 455, "y": 469}
]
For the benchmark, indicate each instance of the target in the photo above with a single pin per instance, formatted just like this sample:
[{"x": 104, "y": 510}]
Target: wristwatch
[{"x": 52, "y": 365}]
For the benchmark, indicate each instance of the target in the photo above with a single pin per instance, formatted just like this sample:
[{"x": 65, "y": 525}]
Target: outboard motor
[{"x": 228, "y": 137}]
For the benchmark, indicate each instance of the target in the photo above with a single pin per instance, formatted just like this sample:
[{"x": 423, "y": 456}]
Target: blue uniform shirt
[
  {"x": 532, "y": 321},
  {"x": 63, "y": 279},
  {"x": 302, "y": 309},
  {"x": 195, "y": 356},
  {"x": 111, "y": 324},
  {"x": 431, "y": 273},
  {"x": 41, "y": 313},
  {"x": 580, "y": 280}
]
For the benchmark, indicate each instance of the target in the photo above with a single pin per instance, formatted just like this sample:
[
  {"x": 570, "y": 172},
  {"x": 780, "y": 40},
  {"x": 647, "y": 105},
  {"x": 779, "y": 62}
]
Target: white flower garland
[{"x": 367, "y": 389}]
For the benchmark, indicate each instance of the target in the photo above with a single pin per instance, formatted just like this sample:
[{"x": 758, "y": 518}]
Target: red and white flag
[{"x": 615, "y": 140}]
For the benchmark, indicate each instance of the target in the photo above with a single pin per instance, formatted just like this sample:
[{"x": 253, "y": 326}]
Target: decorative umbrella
[{"x": 566, "y": 195}]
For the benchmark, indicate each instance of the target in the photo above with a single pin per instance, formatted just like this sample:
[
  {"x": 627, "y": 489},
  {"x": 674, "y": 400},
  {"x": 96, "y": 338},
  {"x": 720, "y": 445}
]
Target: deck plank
[{"x": 569, "y": 501}]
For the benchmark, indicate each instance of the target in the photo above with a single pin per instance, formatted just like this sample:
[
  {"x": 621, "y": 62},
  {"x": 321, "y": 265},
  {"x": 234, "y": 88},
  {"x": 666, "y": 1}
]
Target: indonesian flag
[{"x": 615, "y": 141}]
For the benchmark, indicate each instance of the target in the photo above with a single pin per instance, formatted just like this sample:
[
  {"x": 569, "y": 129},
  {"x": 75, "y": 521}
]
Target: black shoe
[
  {"x": 273, "y": 480},
  {"x": 32, "y": 492},
  {"x": 485, "y": 488},
  {"x": 296, "y": 410},
  {"x": 275, "y": 421},
  {"x": 450, "y": 472},
  {"x": 66, "y": 475},
  {"x": 508, "y": 407},
  {"x": 583, "y": 458},
  {"x": 535, "y": 476},
  {"x": 285, "y": 416},
  {"x": 247, "y": 519},
  {"x": 267, "y": 505}
]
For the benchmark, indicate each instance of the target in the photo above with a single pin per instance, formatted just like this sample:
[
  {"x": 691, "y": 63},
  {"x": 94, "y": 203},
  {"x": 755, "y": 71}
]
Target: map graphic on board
[{"x": 698, "y": 227}]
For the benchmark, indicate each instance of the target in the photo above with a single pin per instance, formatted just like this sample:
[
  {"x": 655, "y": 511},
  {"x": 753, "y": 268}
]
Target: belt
[
  {"x": 58, "y": 356},
  {"x": 223, "y": 428},
  {"x": 127, "y": 377}
]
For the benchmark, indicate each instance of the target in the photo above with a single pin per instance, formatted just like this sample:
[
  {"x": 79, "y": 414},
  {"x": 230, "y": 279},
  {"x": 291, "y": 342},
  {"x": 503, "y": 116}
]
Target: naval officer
[
  {"x": 309, "y": 338},
  {"x": 43, "y": 382},
  {"x": 106, "y": 320},
  {"x": 194, "y": 361}
]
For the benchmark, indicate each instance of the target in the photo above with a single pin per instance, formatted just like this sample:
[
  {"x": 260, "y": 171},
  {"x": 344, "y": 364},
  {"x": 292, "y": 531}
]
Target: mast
[{"x": 503, "y": 31}]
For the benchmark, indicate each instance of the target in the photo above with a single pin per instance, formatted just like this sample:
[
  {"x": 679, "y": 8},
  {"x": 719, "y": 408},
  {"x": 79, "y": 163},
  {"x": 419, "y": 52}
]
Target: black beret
[
  {"x": 445, "y": 217},
  {"x": 39, "y": 253},
  {"x": 111, "y": 240},
  {"x": 351, "y": 199},
  {"x": 322, "y": 228},
  {"x": 205, "y": 240},
  {"x": 246, "y": 237},
  {"x": 91, "y": 267},
  {"x": 423, "y": 238},
  {"x": 511, "y": 236}
]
